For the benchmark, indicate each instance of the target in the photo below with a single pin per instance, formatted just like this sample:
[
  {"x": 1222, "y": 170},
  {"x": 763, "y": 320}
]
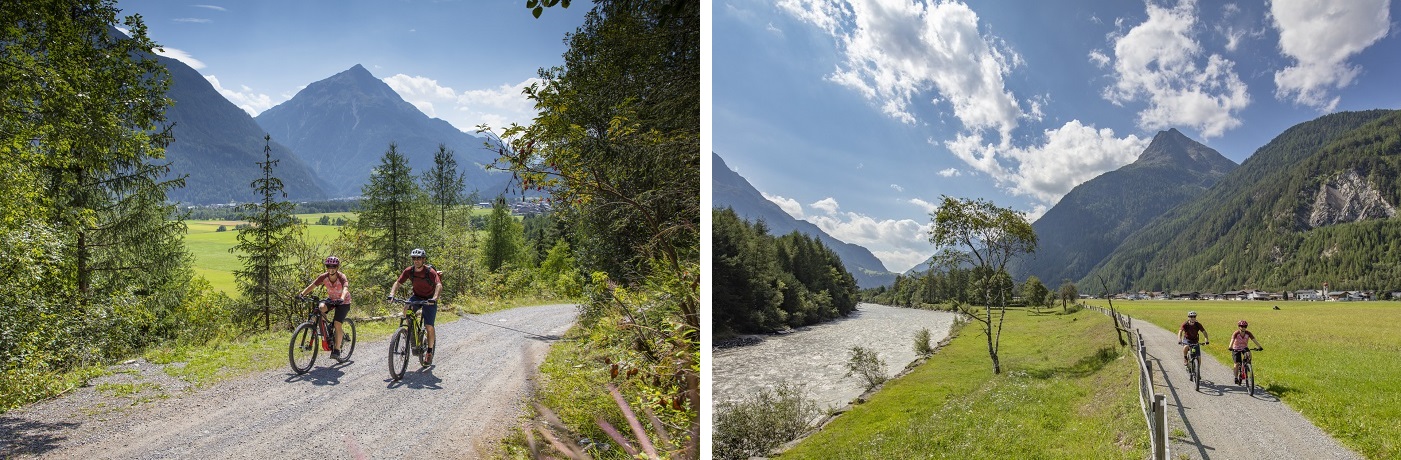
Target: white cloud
[
  {"x": 896, "y": 50},
  {"x": 193, "y": 20},
  {"x": 1036, "y": 212},
  {"x": 1099, "y": 59},
  {"x": 211, "y": 7},
  {"x": 1067, "y": 156},
  {"x": 827, "y": 205},
  {"x": 498, "y": 107},
  {"x": 950, "y": 172},
  {"x": 179, "y": 55},
  {"x": 250, "y": 101},
  {"x": 1161, "y": 63},
  {"x": 1320, "y": 37},
  {"x": 899, "y": 244},
  {"x": 897, "y": 187},
  {"x": 928, "y": 207},
  {"x": 771, "y": 28},
  {"x": 789, "y": 205}
]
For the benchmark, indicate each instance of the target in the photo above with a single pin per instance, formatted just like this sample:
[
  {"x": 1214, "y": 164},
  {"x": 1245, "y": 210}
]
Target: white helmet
[{"x": 417, "y": 253}]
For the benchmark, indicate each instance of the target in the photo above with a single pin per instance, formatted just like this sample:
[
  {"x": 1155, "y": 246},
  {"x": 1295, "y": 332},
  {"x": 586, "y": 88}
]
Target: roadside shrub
[
  {"x": 866, "y": 365},
  {"x": 756, "y": 425},
  {"x": 922, "y": 345}
]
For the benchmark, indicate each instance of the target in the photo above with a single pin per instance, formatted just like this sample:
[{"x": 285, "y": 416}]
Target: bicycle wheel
[
  {"x": 399, "y": 354},
  {"x": 348, "y": 339},
  {"x": 1197, "y": 372},
  {"x": 301, "y": 351},
  {"x": 423, "y": 336},
  {"x": 1250, "y": 377}
]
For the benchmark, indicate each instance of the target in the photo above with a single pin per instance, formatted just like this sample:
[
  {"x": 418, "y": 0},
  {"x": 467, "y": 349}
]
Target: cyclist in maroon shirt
[
  {"x": 1188, "y": 334},
  {"x": 426, "y": 286}
]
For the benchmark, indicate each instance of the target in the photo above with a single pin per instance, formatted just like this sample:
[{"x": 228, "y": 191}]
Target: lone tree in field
[
  {"x": 261, "y": 246},
  {"x": 1068, "y": 293},
  {"x": 991, "y": 236}
]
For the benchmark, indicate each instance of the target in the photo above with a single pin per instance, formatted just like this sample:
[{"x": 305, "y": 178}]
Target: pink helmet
[
  {"x": 1242, "y": 323},
  {"x": 333, "y": 261}
]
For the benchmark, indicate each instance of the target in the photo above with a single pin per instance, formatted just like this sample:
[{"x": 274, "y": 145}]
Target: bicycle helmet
[
  {"x": 333, "y": 261},
  {"x": 1242, "y": 323},
  {"x": 1192, "y": 314},
  {"x": 417, "y": 253}
]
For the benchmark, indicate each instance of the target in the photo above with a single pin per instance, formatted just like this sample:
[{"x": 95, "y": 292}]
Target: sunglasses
[{"x": 333, "y": 266}]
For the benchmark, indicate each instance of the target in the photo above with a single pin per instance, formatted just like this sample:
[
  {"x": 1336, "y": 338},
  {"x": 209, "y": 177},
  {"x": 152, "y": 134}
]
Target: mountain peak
[{"x": 1173, "y": 149}]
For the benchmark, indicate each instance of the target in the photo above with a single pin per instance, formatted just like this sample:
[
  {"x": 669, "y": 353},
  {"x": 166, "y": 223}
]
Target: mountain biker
[
  {"x": 1187, "y": 335},
  {"x": 337, "y": 295},
  {"x": 1240, "y": 346},
  {"x": 426, "y": 286}
]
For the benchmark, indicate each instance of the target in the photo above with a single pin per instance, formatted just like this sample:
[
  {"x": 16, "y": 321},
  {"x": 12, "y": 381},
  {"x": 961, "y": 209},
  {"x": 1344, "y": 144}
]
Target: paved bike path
[
  {"x": 472, "y": 396},
  {"x": 1223, "y": 420}
]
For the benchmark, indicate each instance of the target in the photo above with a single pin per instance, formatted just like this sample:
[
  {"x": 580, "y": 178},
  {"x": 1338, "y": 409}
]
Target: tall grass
[
  {"x": 1337, "y": 363},
  {"x": 1068, "y": 391}
]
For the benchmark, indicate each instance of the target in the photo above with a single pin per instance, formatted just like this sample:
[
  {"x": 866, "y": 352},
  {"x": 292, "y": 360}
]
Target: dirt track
[
  {"x": 1223, "y": 420},
  {"x": 471, "y": 397}
]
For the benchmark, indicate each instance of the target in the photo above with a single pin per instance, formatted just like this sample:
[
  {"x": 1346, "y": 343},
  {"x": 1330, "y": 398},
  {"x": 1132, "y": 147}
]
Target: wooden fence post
[{"x": 1159, "y": 428}]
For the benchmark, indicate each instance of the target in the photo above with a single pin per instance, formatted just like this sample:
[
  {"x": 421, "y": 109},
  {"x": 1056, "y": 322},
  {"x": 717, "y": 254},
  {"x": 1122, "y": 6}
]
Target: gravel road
[
  {"x": 458, "y": 408},
  {"x": 1223, "y": 420},
  {"x": 815, "y": 356}
]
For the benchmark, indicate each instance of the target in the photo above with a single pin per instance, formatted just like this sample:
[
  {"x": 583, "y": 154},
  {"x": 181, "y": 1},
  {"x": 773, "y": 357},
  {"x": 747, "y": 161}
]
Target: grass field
[
  {"x": 210, "y": 247},
  {"x": 1067, "y": 391},
  {"x": 1338, "y": 363}
]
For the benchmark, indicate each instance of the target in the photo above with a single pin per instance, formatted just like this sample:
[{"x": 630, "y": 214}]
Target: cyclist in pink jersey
[
  {"x": 337, "y": 295},
  {"x": 1240, "y": 346}
]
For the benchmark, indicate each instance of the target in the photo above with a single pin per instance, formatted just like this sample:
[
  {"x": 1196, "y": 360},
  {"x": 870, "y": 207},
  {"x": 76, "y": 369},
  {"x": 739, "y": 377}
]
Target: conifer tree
[
  {"x": 394, "y": 214},
  {"x": 262, "y": 246},
  {"x": 445, "y": 185}
]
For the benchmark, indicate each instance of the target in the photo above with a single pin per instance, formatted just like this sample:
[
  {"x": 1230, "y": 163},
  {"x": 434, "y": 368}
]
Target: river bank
[{"x": 815, "y": 356}]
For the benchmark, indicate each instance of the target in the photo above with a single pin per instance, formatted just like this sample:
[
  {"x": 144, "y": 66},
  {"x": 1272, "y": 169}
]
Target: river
[{"x": 815, "y": 357}]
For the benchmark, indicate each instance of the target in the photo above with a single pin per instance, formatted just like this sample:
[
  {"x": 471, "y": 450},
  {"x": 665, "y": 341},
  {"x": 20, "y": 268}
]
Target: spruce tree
[
  {"x": 445, "y": 185},
  {"x": 262, "y": 246},
  {"x": 394, "y": 214}
]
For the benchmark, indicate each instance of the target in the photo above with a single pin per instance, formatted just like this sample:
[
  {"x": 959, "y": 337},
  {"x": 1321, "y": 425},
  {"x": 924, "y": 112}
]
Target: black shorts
[
  {"x": 342, "y": 309},
  {"x": 430, "y": 310},
  {"x": 1236, "y": 355}
]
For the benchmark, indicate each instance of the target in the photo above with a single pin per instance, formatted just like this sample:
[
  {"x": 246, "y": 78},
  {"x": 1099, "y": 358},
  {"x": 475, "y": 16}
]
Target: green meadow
[
  {"x": 1337, "y": 363},
  {"x": 1068, "y": 390},
  {"x": 210, "y": 247}
]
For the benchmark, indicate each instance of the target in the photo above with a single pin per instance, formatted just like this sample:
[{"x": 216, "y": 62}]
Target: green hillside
[{"x": 1310, "y": 207}]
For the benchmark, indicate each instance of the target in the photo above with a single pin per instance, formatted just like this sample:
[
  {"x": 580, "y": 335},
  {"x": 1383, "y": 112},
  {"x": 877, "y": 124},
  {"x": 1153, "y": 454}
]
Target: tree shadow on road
[{"x": 18, "y": 436}]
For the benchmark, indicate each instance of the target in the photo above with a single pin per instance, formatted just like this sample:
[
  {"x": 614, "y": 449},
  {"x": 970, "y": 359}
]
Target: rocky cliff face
[{"x": 1346, "y": 198}]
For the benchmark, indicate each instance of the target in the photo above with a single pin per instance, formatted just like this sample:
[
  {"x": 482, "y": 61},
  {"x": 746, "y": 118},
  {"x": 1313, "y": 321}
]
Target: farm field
[
  {"x": 1337, "y": 363},
  {"x": 210, "y": 247}
]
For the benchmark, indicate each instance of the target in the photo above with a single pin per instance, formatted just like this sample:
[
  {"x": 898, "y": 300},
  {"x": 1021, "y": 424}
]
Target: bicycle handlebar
[
  {"x": 417, "y": 303},
  {"x": 1199, "y": 344}
]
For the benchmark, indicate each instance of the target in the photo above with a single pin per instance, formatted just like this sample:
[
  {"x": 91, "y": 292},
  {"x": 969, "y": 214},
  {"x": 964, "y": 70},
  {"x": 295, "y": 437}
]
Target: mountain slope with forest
[
  {"x": 1096, "y": 216},
  {"x": 219, "y": 145},
  {"x": 342, "y": 125},
  {"x": 1315, "y": 205},
  {"x": 730, "y": 190}
]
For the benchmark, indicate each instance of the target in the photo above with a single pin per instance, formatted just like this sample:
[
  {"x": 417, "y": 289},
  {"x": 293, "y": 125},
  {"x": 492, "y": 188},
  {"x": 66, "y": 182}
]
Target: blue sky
[
  {"x": 858, "y": 116},
  {"x": 463, "y": 61}
]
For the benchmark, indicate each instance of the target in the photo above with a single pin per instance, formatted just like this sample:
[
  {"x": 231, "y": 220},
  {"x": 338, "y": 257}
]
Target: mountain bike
[
  {"x": 1246, "y": 375},
  {"x": 1194, "y": 363},
  {"x": 409, "y": 339},
  {"x": 317, "y": 334}
]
